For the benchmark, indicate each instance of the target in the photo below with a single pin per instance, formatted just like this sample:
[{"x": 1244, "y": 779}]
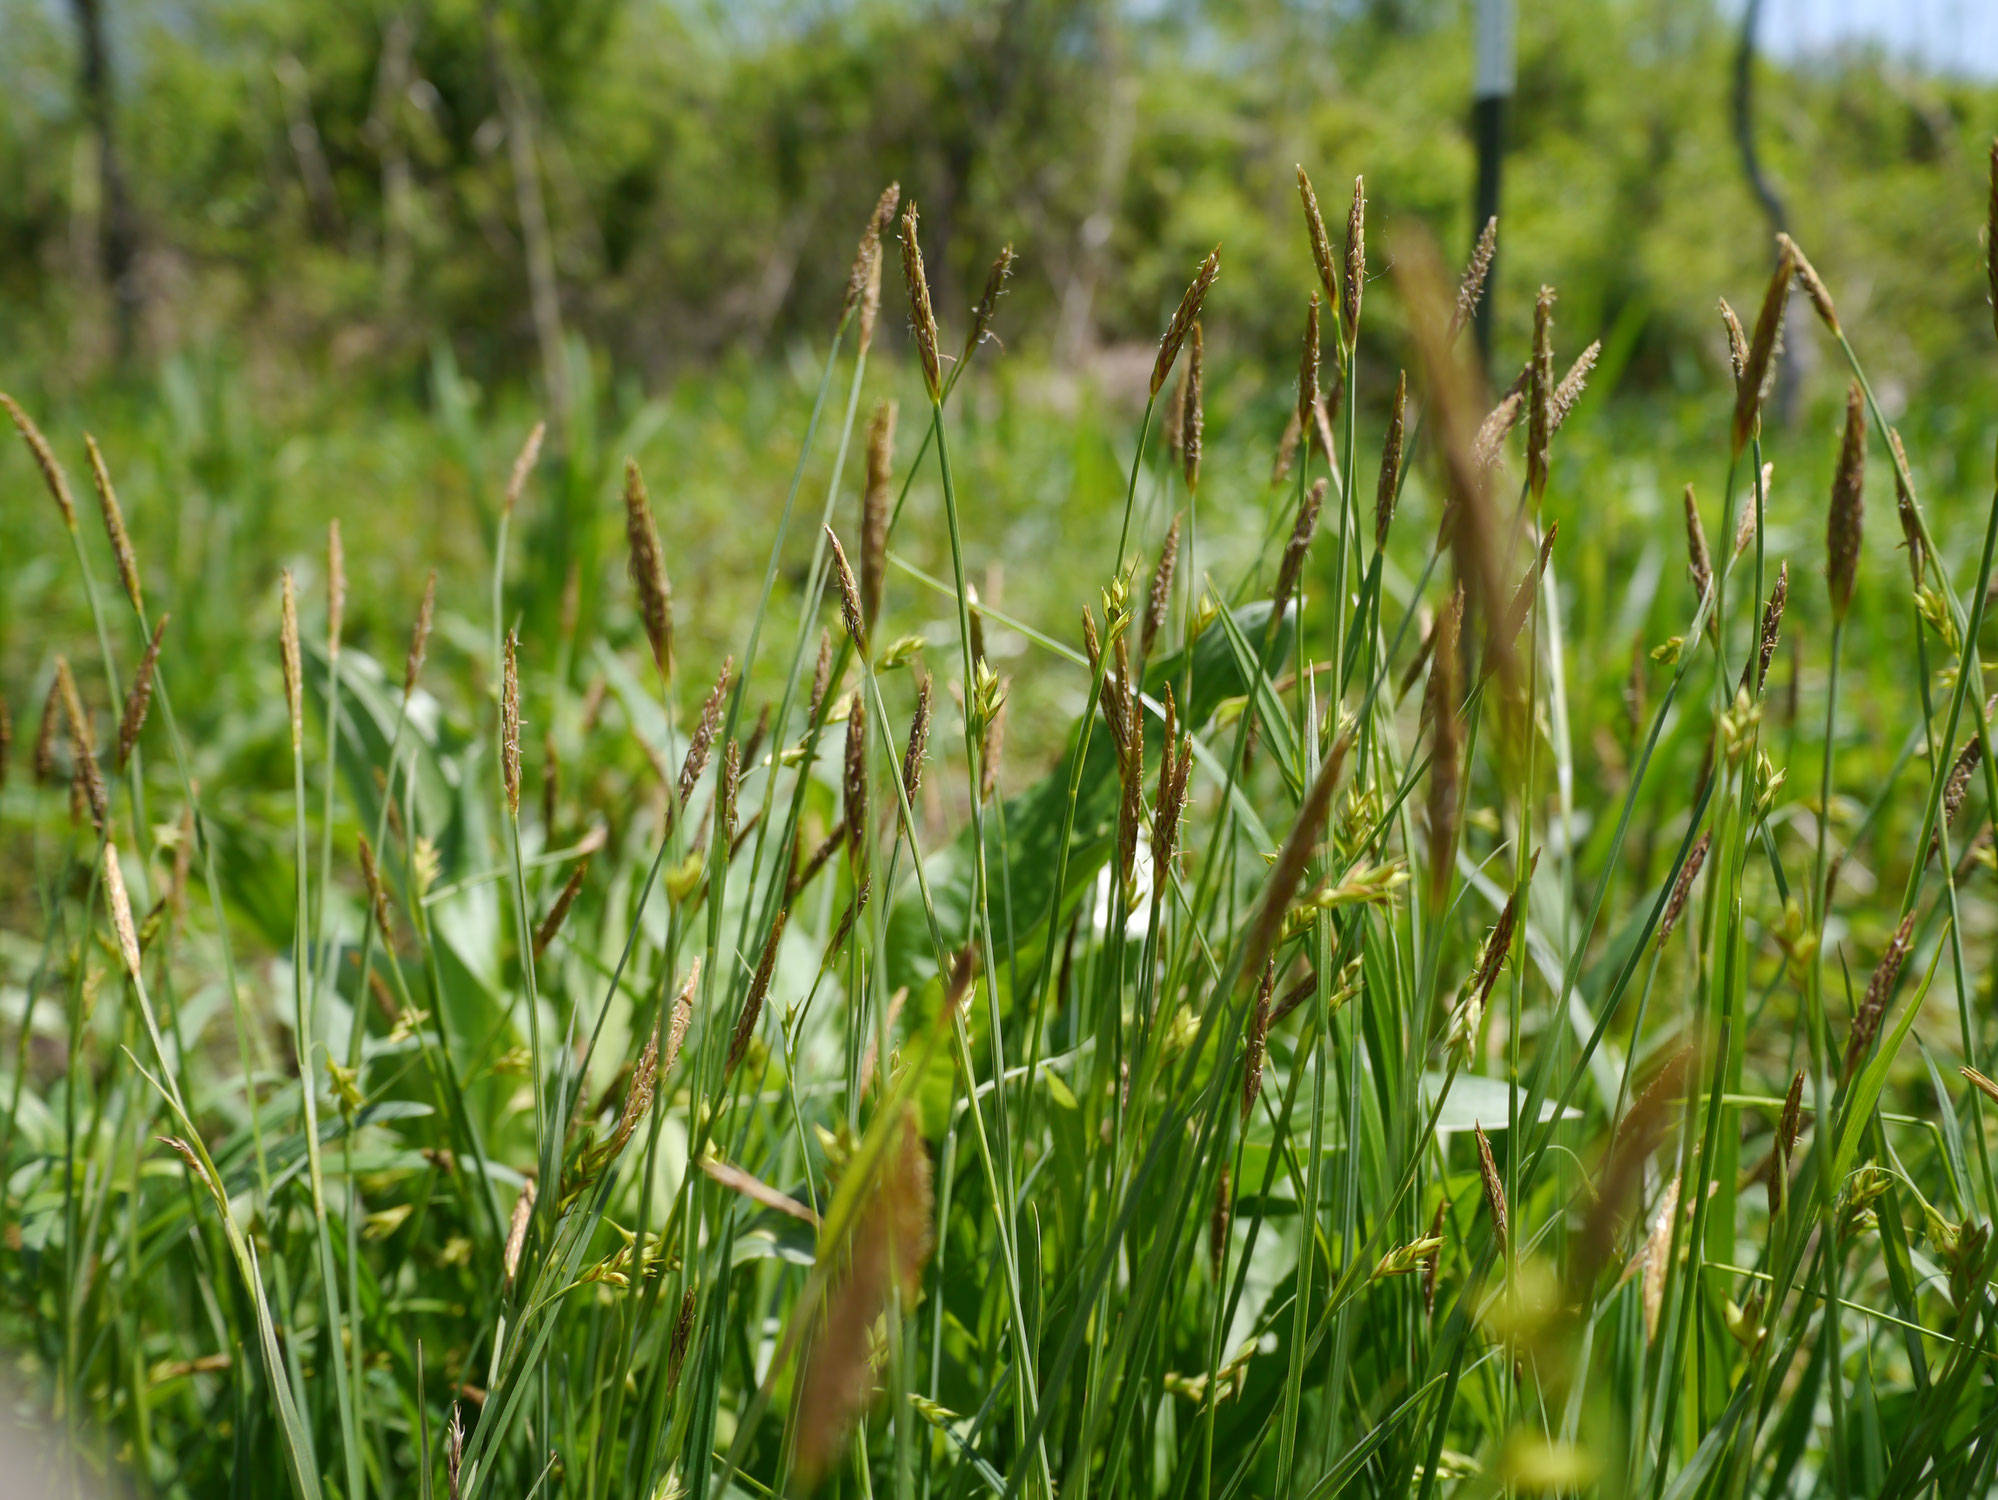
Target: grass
[{"x": 1526, "y": 1064}]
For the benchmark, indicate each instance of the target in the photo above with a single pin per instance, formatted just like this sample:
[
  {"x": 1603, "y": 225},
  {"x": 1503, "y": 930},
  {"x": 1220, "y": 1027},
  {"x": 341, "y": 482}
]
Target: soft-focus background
[{"x": 296, "y": 261}]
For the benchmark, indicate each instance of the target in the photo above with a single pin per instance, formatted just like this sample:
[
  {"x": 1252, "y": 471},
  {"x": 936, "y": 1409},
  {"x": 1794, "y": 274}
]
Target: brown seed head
[
  {"x": 1158, "y": 603},
  {"x": 1513, "y": 620},
  {"x": 648, "y": 569},
  {"x": 1908, "y": 509},
  {"x": 45, "y": 733},
  {"x": 510, "y": 724},
  {"x": 114, "y": 526},
  {"x": 1307, "y": 366},
  {"x": 523, "y": 465},
  {"x": 336, "y": 588},
  {"x": 45, "y": 460},
  {"x": 1305, "y": 835},
  {"x": 759, "y": 987},
  {"x": 849, "y": 595},
  {"x": 1879, "y": 990},
  {"x": 919, "y": 744},
  {"x": 1433, "y": 1260},
  {"x": 1258, "y": 1041},
  {"x": 854, "y": 786},
  {"x": 868, "y": 264},
  {"x": 1737, "y": 341},
  {"x": 419, "y": 636},
  {"x": 1569, "y": 391},
  {"x": 139, "y": 698},
  {"x": 1286, "y": 454},
  {"x": 1761, "y": 351},
  {"x": 1321, "y": 244},
  {"x": 1471, "y": 289},
  {"x": 1494, "y": 1187},
  {"x": 681, "y": 1017},
  {"x": 1217, "y": 1222},
  {"x": 1390, "y": 481},
  {"x": 874, "y": 508},
  {"x": 987, "y": 305},
  {"x": 454, "y": 1453},
  {"x": 1193, "y": 418},
  {"x": 821, "y": 677},
  {"x": 683, "y": 1336},
  {"x": 1540, "y": 393},
  {"x": 637, "y": 1098},
  {"x": 1356, "y": 264},
  {"x": 1843, "y": 520},
  {"x": 922, "y": 319},
  {"x": 1812, "y": 283},
  {"x": 1790, "y": 1125},
  {"x": 378, "y": 902},
  {"x": 1772, "y": 624},
  {"x": 1291, "y": 569},
  {"x": 559, "y": 912},
  {"x": 294, "y": 673},
  {"x": 1183, "y": 318},
  {"x": 701, "y": 743},
  {"x": 1682, "y": 887},
  {"x": 1699, "y": 562},
  {"x": 120, "y": 907}
]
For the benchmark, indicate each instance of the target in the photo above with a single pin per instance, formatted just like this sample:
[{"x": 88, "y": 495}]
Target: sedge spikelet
[
  {"x": 648, "y": 569},
  {"x": 294, "y": 675},
  {"x": 1291, "y": 568},
  {"x": 46, "y": 731},
  {"x": 759, "y": 987},
  {"x": 874, "y": 511},
  {"x": 114, "y": 526},
  {"x": 1813, "y": 284},
  {"x": 1879, "y": 990},
  {"x": 419, "y": 636},
  {"x": 919, "y": 744},
  {"x": 1755, "y": 364},
  {"x": 1158, "y": 602},
  {"x": 1286, "y": 453},
  {"x": 1183, "y": 319},
  {"x": 336, "y": 588},
  {"x": 1298, "y": 844},
  {"x": 1772, "y": 626},
  {"x": 1193, "y": 418},
  {"x": 1699, "y": 562},
  {"x": 851, "y": 613},
  {"x": 1471, "y": 287},
  {"x": 1494, "y": 1187},
  {"x": 1908, "y": 511},
  {"x": 378, "y": 902},
  {"x": 1737, "y": 341},
  {"x": 821, "y": 678},
  {"x": 140, "y": 696},
  {"x": 510, "y": 725},
  {"x": 680, "y": 1018},
  {"x": 1217, "y": 1222},
  {"x": 1356, "y": 265},
  {"x": 1571, "y": 386},
  {"x": 1540, "y": 393},
  {"x": 921, "y": 318},
  {"x": 1682, "y": 887},
  {"x": 863, "y": 288},
  {"x": 559, "y": 912},
  {"x": 1258, "y": 1042},
  {"x": 701, "y": 743},
  {"x": 1847, "y": 510},
  {"x": 853, "y": 786},
  {"x": 523, "y": 465},
  {"x": 119, "y": 905},
  {"x": 516, "y": 1230},
  {"x": 1321, "y": 243},
  {"x": 1390, "y": 482},
  {"x": 45, "y": 460},
  {"x": 1307, "y": 367},
  {"x": 987, "y": 306}
]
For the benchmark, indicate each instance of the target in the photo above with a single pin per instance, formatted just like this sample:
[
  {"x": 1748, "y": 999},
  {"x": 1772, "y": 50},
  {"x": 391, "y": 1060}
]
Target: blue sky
[{"x": 1947, "y": 35}]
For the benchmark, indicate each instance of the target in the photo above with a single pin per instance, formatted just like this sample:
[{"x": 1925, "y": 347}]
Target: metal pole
[{"x": 1491, "y": 94}]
